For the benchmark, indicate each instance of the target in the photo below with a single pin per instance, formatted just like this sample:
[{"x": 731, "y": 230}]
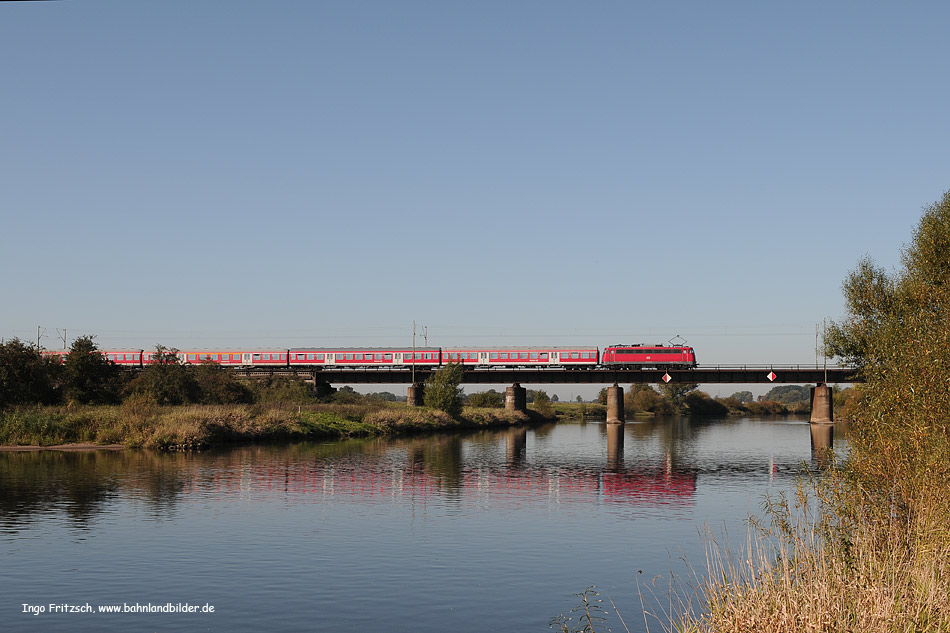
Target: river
[{"x": 451, "y": 532}]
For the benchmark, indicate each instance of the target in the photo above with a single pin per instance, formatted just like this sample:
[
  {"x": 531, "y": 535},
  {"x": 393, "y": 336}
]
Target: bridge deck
[{"x": 723, "y": 375}]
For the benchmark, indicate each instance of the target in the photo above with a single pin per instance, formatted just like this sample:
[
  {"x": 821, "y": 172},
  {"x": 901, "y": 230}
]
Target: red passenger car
[
  {"x": 231, "y": 357},
  {"x": 58, "y": 356},
  {"x": 521, "y": 356},
  {"x": 366, "y": 356},
  {"x": 649, "y": 356},
  {"x": 124, "y": 357}
]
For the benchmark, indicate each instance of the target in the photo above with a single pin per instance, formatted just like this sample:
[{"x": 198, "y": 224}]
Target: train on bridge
[{"x": 637, "y": 356}]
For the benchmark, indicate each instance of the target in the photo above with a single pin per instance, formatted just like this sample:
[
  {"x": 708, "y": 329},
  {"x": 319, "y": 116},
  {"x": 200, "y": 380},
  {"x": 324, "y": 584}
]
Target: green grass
[{"x": 140, "y": 423}]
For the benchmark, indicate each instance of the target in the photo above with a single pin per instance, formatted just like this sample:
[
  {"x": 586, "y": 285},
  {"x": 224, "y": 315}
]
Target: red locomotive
[{"x": 649, "y": 356}]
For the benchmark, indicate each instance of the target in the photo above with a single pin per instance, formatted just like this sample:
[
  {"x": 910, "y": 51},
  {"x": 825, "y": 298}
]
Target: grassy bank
[{"x": 146, "y": 425}]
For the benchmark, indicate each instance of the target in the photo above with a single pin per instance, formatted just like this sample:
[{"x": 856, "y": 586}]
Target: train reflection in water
[{"x": 426, "y": 471}]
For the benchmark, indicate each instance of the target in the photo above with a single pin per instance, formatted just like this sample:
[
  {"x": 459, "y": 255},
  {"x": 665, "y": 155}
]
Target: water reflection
[
  {"x": 648, "y": 463},
  {"x": 33, "y": 484}
]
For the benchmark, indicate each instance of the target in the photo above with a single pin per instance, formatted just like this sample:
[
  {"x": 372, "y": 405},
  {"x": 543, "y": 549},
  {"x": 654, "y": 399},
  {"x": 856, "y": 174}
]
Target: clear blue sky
[{"x": 215, "y": 173}]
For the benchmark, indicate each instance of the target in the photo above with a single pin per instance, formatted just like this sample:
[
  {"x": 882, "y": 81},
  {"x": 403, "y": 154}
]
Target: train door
[
  {"x": 483, "y": 358},
  {"x": 555, "y": 358}
]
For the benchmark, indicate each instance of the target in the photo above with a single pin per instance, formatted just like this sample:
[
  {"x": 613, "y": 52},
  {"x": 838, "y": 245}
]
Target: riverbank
[{"x": 196, "y": 427}]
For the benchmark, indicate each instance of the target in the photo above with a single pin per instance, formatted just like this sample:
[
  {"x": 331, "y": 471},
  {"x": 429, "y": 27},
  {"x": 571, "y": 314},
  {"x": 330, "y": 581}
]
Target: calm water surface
[{"x": 478, "y": 532}]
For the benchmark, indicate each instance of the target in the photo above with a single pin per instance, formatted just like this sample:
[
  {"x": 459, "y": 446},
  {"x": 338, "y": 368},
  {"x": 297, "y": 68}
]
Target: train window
[
  {"x": 428, "y": 356},
  {"x": 192, "y": 356},
  {"x": 349, "y": 356},
  {"x": 339, "y": 356},
  {"x": 283, "y": 357},
  {"x": 524, "y": 355},
  {"x": 388, "y": 356},
  {"x": 358, "y": 357},
  {"x": 544, "y": 355},
  {"x": 573, "y": 355},
  {"x": 493, "y": 356},
  {"x": 504, "y": 356},
  {"x": 534, "y": 356},
  {"x": 256, "y": 356}
]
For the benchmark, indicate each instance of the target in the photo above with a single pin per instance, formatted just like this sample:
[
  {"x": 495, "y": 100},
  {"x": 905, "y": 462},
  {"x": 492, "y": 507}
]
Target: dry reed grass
[{"x": 829, "y": 561}]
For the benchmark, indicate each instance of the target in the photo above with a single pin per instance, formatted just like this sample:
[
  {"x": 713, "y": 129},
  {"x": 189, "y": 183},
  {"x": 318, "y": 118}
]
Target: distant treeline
[{"x": 87, "y": 377}]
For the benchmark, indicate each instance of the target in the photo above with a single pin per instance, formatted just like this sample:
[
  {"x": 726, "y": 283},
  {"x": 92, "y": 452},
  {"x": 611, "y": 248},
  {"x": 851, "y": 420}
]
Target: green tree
[
  {"x": 542, "y": 403},
  {"x": 25, "y": 376},
  {"x": 282, "y": 389},
  {"x": 347, "y": 395},
  {"x": 602, "y": 396},
  {"x": 897, "y": 332},
  {"x": 642, "y": 398},
  {"x": 789, "y": 394},
  {"x": 442, "y": 389},
  {"x": 490, "y": 398},
  {"x": 700, "y": 403},
  {"x": 218, "y": 385},
  {"x": 742, "y": 396},
  {"x": 676, "y": 393},
  {"x": 166, "y": 381},
  {"x": 384, "y": 396},
  {"x": 89, "y": 377}
]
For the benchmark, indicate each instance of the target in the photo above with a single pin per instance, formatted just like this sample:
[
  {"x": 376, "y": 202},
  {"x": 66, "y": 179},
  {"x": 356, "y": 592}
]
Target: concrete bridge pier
[
  {"x": 615, "y": 413},
  {"x": 822, "y": 442},
  {"x": 516, "y": 398},
  {"x": 822, "y": 404},
  {"x": 415, "y": 395},
  {"x": 516, "y": 445},
  {"x": 614, "y": 446}
]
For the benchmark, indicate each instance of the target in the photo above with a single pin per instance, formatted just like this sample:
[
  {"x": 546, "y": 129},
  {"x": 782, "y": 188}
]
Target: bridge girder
[{"x": 602, "y": 376}]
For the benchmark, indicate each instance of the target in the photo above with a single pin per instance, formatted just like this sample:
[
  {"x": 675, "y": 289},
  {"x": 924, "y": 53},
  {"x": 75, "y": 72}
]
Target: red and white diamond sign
[
  {"x": 667, "y": 378},
  {"x": 771, "y": 376}
]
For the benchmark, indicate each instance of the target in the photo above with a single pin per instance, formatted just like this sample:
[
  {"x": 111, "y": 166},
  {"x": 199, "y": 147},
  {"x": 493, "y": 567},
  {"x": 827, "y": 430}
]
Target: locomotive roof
[{"x": 650, "y": 346}]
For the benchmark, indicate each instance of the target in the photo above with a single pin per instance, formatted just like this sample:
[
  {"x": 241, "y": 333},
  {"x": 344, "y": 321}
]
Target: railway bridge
[{"x": 324, "y": 378}]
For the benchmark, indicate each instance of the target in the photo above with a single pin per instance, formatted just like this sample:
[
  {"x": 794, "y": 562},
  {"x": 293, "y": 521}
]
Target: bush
[{"x": 442, "y": 390}]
